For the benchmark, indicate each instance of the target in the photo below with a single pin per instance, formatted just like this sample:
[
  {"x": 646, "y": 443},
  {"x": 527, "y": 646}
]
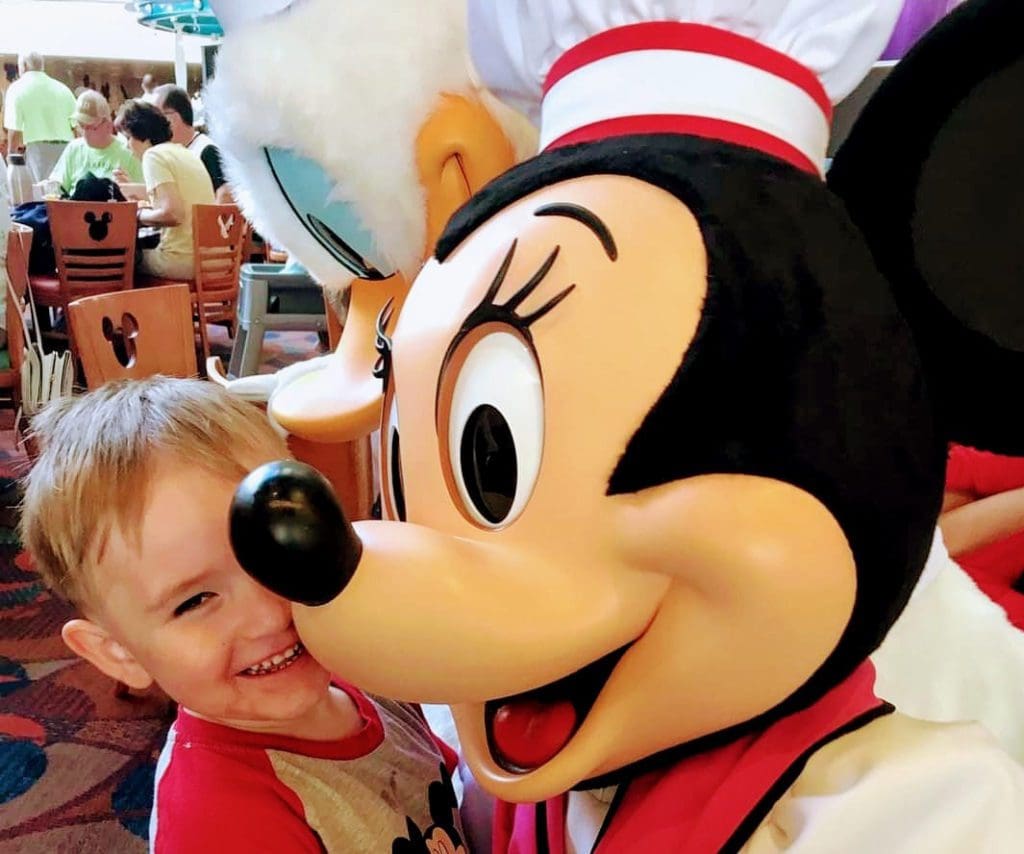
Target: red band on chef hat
[{"x": 672, "y": 77}]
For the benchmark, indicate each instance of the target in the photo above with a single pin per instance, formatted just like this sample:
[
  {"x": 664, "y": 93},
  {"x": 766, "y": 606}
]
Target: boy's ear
[
  {"x": 459, "y": 148},
  {"x": 91, "y": 641}
]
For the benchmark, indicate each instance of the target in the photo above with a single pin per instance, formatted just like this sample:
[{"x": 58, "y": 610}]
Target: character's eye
[
  {"x": 192, "y": 603},
  {"x": 394, "y": 486},
  {"x": 495, "y": 425},
  {"x": 336, "y": 225}
]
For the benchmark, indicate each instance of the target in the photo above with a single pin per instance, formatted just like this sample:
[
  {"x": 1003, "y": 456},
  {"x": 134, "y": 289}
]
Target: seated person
[
  {"x": 175, "y": 104},
  {"x": 126, "y": 514},
  {"x": 98, "y": 150},
  {"x": 983, "y": 523},
  {"x": 175, "y": 181}
]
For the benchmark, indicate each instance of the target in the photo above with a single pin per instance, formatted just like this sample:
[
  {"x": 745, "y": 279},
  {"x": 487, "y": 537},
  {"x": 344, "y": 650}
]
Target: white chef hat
[{"x": 762, "y": 73}]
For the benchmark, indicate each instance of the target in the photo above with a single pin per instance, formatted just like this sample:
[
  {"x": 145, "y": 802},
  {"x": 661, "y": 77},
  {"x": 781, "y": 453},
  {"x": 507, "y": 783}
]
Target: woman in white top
[{"x": 175, "y": 181}]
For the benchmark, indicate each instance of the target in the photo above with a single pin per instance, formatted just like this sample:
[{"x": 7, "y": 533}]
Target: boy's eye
[{"x": 192, "y": 603}]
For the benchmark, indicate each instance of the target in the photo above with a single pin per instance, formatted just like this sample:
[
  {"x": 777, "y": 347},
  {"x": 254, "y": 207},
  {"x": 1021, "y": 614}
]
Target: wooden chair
[
  {"x": 19, "y": 242},
  {"x": 218, "y": 238},
  {"x": 95, "y": 247},
  {"x": 135, "y": 334}
]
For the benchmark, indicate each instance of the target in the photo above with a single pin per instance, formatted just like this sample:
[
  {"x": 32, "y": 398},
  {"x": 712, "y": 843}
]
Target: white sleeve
[
  {"x": 902, "y": 786},
  {"x": 954, "y": 656}
]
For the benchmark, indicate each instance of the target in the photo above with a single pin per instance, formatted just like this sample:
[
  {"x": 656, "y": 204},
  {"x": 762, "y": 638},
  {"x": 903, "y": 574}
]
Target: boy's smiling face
[{"x": 178, "y": 610}]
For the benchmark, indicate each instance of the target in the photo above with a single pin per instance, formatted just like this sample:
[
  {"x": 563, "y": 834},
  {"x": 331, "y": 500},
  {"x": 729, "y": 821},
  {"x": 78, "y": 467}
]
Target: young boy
[{"x": 126, "y": 513}]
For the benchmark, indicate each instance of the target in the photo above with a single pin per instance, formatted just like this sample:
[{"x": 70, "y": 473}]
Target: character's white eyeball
[{"x": 495, "y": 425}]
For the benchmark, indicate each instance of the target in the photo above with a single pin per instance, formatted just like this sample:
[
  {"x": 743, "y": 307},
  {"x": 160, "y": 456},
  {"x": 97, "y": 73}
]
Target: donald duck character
[{"x": 350, "y": 133}]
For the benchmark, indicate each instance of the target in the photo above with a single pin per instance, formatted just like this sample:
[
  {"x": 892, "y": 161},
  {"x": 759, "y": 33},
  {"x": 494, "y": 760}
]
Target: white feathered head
[{"x": 316, "y": 107}]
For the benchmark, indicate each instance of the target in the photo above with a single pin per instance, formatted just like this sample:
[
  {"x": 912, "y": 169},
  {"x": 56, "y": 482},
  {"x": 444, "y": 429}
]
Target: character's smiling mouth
[{"x": 529, "y": 729}]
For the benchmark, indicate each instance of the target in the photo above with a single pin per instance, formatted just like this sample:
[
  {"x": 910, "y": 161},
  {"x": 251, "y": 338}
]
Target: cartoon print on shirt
[{"x": 442, "y": 837}]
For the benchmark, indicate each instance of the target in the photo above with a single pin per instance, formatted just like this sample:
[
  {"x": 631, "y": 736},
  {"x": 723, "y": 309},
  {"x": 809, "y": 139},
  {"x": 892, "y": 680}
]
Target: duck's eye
[{"x": 495, "y": 432}]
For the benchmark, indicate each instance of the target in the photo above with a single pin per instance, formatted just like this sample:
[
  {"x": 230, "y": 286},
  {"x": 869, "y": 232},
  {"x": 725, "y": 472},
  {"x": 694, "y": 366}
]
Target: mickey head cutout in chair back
[
  {"x": 122, "y": 338},
  {"x": 98, "y": 228}
]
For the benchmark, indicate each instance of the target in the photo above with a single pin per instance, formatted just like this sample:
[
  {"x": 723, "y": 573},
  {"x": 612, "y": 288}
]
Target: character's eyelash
[
  {"x": 382, "y": 367},
  {"x": 489, "y": 310}
]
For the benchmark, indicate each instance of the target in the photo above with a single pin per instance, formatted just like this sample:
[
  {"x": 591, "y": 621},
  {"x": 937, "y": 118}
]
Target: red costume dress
[{"x": 709, "y": 802}]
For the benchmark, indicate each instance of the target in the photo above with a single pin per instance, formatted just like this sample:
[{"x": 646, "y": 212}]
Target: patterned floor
[{"x": 76, "y": 761}]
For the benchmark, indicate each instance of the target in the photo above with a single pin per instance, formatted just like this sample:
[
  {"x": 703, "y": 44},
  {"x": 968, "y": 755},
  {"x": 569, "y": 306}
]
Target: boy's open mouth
[
  {"x": 276, "y": 663},
  {"x": 529, "y": 729}
]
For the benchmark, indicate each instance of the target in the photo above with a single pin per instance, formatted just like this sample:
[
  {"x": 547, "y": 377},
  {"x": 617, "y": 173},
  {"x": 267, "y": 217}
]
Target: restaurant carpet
[{"x": 76, "y": 759}]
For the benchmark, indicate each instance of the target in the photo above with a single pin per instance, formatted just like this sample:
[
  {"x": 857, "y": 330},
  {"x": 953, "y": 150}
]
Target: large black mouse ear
[{"x": 932, "y": 173}]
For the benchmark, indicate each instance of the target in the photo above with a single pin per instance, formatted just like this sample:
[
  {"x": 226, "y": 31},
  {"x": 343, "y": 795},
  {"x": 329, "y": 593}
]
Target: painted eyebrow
[{"x": 586, "y": 216}]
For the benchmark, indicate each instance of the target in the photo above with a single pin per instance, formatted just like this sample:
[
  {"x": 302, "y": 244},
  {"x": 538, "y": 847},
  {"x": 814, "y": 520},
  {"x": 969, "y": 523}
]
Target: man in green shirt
[
  {"x": 38, "y": 115},
  {"x": 99, "y": 150}
]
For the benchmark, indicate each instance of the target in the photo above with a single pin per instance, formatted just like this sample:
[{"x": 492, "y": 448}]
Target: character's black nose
[{"x": 290, "y": 534}]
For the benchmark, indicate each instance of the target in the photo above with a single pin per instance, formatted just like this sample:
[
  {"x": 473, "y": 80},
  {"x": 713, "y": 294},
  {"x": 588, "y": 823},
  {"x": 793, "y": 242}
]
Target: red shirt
[{"x": 224, "y": 790}]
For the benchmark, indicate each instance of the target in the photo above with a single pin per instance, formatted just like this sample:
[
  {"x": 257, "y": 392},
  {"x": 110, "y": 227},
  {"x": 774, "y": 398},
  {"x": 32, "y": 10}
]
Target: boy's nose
[{"x": 289, "y": 533}]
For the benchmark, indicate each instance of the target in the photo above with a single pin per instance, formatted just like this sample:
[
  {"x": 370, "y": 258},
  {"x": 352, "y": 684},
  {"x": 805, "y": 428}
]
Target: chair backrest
[
  {"x": 19, "y": 243},
  {"x": 95, "y": 246},
  {"x": 135, "y": 334},
  {"x": 218, "y": 236}
]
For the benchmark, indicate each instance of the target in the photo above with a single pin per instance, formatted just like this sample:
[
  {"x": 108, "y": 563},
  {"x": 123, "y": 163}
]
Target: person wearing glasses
[
  {"x": 175, "y": 104},
  {"x": 175, "y": 180},
  {"x": 98, "y": 150}
]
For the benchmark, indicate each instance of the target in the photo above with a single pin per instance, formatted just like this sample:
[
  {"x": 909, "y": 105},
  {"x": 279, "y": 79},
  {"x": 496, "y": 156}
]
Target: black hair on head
[
  {"x": 143, "y": 122},
  {"x": 802, "y": 368},
  {"x": 171, "y": 97}
]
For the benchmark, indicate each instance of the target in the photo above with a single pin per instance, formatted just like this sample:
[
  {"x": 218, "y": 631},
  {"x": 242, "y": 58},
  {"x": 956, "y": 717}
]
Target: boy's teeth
[{"x": 276, "y": 662}]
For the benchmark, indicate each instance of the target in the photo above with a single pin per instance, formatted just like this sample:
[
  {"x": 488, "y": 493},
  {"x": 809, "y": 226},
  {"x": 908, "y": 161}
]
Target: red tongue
[{"x": 528, "y": 733}]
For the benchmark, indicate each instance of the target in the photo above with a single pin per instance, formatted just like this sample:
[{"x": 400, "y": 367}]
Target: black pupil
[
  {"x": 397, "y": 485},
  {"x": 489, "y": 465}
]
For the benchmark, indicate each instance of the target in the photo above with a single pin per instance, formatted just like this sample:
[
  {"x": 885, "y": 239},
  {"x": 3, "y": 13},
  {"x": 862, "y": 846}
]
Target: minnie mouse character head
[{"x": 667, "y": 445}]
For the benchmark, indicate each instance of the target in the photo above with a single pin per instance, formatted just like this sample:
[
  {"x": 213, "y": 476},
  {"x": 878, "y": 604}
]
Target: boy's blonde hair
[{"x": 97, "y": 454}]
